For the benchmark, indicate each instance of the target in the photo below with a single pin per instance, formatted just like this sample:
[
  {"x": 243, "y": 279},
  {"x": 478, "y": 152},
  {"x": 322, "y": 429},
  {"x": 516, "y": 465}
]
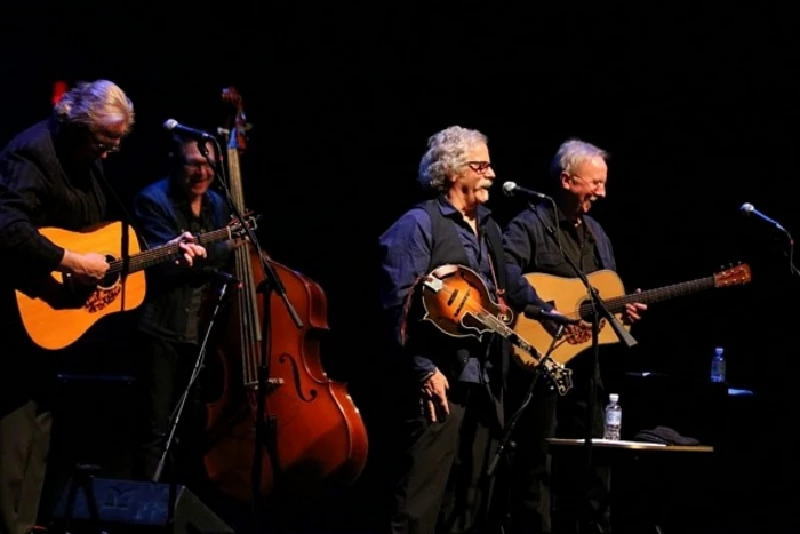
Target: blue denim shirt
[{"x": 406, "y": 253}]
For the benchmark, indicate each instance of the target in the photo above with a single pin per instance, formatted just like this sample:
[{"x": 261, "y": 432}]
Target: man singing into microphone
[
  {"x": 170, "y": 329},
  {"x": 578, "y": 175},
  {"x": 446, "y": 393}
]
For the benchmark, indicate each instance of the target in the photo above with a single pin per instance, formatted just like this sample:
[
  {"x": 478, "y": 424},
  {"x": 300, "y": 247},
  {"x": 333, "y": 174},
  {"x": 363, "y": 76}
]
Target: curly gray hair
[
  {"x": 571, "y": 154},
  {"x": 92, "y": 103},
  {"x": 446, "y": 154}
]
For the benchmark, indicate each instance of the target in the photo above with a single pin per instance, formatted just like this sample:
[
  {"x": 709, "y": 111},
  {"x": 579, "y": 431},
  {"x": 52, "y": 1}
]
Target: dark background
[{"x": 697, "y": 108}]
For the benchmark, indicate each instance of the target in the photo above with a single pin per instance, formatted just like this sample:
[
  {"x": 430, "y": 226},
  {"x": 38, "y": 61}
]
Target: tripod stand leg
[{"x": 81, "y": 479}]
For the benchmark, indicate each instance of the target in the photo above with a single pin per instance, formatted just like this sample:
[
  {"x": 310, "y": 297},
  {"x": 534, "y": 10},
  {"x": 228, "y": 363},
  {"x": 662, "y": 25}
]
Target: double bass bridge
[{"x": 272, "y": 384}]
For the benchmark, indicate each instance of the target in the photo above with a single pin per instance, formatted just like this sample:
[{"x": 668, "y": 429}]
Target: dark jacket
[
  {"x": 162, "y": 213},
  {"x": 38, "y": 188}
]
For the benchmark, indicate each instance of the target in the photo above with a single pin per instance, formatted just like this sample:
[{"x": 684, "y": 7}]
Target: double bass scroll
[{"x": 318, "y": 439}]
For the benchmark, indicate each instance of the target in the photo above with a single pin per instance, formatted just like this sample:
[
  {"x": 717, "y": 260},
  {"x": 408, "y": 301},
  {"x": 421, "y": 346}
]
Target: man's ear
[{"x": 565, "y": 180}]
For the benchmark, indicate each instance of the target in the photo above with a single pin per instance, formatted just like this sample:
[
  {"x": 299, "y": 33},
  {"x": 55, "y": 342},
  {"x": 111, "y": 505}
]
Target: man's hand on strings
[
  {"x": 189, "y": 248},
  {"x": 633, "y": 311}
]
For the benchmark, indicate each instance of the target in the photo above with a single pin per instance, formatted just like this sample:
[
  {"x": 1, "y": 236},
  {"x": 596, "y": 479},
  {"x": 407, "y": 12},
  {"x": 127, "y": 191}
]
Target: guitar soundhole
[{"x": 96, "y": 298}]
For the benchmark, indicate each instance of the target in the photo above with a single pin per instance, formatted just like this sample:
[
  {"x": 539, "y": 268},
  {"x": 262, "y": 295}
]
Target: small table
[
  {"x": 614, "y": 450},
  {"x": 628, "y": 445}
]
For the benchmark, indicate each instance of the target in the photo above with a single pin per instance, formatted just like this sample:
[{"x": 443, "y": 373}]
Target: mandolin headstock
[
  {"x": 559, "y": 375},
  {"x": 738, "y": 275}
]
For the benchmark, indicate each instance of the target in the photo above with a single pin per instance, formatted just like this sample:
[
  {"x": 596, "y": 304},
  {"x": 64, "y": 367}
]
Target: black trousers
[
  {"x": 163, "y": 372},
  {"x": 441, "y": 472},
  {"x": 25, "y": 431},
  {"x": 547, "y": 496}
]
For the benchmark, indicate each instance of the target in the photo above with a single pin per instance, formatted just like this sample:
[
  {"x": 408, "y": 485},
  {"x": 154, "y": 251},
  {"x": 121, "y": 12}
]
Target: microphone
[
  {"x": 748, "y": 209},
  {"x": 225, "y": 278},
  {"x": 510, "y": 189},
  {"x": 174, "y": 126},
  {"x": 537, "y": 313}
]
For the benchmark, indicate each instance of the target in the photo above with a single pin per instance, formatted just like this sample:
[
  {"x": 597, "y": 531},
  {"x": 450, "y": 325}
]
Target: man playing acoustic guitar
[
  {"x": 50, "y": 176},
  {"x": 579, "y": 173}
]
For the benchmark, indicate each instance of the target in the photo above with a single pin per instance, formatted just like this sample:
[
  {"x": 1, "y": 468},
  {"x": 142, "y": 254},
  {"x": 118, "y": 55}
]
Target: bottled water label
[
  {"x": 718, "y": 371},
  {"x": 613, "y": 428},
  {"x": 614, "y": 417}
]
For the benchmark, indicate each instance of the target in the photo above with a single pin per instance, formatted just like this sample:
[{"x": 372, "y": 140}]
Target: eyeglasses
[
  {"x": 106, "y": 147},
  {"x": 197, "y": 165},
  {"x": 597, "y": 184},
  {"x": 479, "y": 166}
]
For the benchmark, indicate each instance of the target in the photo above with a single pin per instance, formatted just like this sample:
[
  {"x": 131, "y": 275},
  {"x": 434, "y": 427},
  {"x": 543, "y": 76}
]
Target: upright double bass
[{"x": 316, "y": 437}]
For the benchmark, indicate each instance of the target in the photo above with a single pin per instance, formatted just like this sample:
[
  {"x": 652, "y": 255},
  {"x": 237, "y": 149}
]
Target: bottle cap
[
  {"x": 613, "y": 397},
  {"x": 718, "y": 351}
]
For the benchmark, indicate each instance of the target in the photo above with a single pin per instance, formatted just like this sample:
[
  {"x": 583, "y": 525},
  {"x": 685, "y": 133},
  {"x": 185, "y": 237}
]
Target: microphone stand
[
  {"x": 178, "y": 411},
  {"x": 265, "y": 430},
  {"x": 790, "y": 253},
  {"x": 599, "y": 311},
  {"x": 528, "y": 398}
]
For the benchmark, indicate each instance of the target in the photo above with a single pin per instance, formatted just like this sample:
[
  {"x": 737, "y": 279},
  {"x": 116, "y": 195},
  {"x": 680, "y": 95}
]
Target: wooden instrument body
[
  {"x": 571, "y": 298},
  {"x": 568, "y": 295},
  {"x": 320, "y": 438},
  {"x": 462, "y": 309},
  {"x": 56, "y": 312},
  {"x": 317, "y": 439}
]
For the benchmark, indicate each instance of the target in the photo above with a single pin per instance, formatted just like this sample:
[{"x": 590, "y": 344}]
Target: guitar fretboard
[
  {"x": 164, "y": 253},
  {"x": 617, "y": 304}
]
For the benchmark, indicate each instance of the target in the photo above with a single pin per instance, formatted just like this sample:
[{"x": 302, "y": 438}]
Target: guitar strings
[{"x": 142, "y": 258}]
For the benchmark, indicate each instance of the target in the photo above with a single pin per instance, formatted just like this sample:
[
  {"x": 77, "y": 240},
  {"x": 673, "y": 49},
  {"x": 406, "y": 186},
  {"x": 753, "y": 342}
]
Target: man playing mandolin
[
  {"x": 51, "y": 175},
  {"x": 579, "y": 173},
  {"x": 448, "y": 390}
]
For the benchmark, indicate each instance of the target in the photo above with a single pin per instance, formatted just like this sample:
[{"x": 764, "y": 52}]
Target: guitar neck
[
  {"x": 617, "y": 304},
  {"x": 164, "y": 253}
]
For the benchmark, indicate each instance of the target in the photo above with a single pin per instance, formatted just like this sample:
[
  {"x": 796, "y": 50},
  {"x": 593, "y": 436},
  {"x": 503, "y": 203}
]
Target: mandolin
[{"x": 458, "y": 303}]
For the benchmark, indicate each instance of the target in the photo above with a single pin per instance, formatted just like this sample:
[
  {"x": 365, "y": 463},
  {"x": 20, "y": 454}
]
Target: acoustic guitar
[
  {"x": 570, "y": 297},
  {"x": 56, "y": 310},
  {"x": 458, "y": 303}
]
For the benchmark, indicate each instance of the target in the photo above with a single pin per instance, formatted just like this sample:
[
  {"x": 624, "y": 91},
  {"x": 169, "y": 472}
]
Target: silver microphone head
[
  {"x": 170, "y": 124},
  {"x": 747, "y": 208},
  {"x": 508, "y": 188}
]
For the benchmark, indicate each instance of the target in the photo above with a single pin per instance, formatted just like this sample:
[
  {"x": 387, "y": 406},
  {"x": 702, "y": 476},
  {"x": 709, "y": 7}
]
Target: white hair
[
  {"x": 571, "y": 154},
  {"x": 91, "y": 104},
  {"x": 446, "y": 154}
]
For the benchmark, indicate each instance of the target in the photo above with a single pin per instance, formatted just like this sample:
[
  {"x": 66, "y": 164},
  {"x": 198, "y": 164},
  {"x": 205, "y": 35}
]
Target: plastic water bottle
[
  {"x": 718, "y": 367},
  {"x": 613, "y": 418}
]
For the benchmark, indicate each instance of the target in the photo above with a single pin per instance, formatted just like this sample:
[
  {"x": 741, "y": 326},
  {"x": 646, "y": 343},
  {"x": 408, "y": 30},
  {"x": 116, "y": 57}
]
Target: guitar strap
[
  {"x": 125, "y": 215},
  {"x": 495, "y": 244}
]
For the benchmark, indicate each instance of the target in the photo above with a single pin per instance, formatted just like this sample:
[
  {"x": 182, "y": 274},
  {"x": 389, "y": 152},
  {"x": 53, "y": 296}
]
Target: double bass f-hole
[{"x": 313, "y": 393}]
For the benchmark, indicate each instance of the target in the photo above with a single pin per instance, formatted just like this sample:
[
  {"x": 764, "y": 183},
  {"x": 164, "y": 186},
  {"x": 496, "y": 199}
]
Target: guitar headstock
[
  {"x": 238, "y": 134},
  {"x": 734, "y": 276}
]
